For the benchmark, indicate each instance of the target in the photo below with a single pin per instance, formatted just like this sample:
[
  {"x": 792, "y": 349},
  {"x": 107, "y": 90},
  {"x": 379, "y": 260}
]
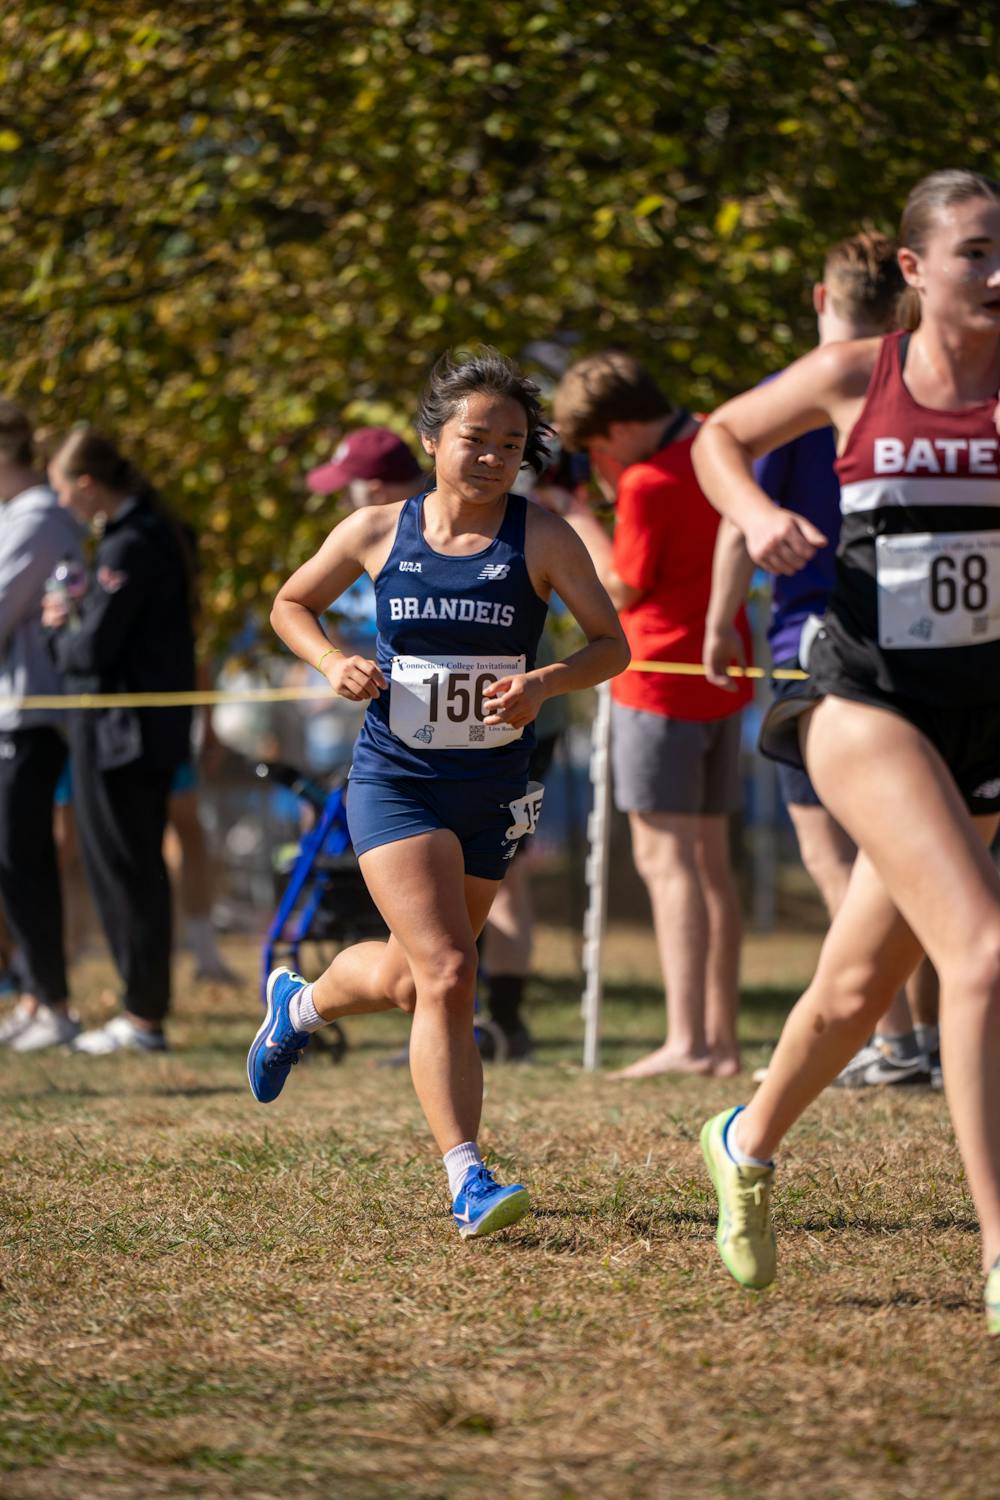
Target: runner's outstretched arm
[{"x": 825, "y": 387}]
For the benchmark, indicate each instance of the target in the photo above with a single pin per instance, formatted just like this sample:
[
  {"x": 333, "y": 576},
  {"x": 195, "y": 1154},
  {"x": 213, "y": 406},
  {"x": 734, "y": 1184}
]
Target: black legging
[
  {"x": 30, "y": 763},
  {"x": 121, "y": 816}
]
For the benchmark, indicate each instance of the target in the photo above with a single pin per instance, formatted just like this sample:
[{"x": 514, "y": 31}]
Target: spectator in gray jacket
[{"x": 36, "y": 534}]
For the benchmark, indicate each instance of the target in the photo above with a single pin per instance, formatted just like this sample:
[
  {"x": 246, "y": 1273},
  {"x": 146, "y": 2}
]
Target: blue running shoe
[
  {"x": 277, "y": 1046},
  {"x": 481, "y": 1205}
]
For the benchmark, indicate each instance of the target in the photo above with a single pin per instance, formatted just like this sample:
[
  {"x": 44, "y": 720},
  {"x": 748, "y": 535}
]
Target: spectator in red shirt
[{"x": 675, "y": 738}]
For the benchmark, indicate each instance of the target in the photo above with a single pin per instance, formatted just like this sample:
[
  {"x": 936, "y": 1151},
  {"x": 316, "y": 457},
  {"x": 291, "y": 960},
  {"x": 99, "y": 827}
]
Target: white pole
[{"x": 598, "y": 838}]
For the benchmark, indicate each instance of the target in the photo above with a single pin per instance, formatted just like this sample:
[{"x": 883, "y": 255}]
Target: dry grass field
[{"x": 202, "y": 1297}]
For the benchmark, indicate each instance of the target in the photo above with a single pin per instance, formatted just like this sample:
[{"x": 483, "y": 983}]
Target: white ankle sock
[
  {"x": 303, "y": 1014},
  {"x": 733, "y": 1150},
  {"x": 458, "y": 1162}
]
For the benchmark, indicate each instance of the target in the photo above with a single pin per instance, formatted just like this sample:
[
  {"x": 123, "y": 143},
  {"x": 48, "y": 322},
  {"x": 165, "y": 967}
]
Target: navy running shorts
[
  {"x": 488, "y": 820},
  {"x": 796, "y": 786}
]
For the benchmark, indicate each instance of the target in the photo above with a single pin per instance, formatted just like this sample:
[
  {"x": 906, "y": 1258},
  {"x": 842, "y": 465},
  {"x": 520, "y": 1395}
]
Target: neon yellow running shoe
[
  {"x": 744, "y": 1234},
  {"x": 993, "y": 1299}
]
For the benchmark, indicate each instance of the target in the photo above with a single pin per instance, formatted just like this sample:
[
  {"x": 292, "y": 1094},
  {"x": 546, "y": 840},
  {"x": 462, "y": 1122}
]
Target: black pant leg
[
  {"x": 121, "y": 816},
  {"x": 30, "y": 764}
]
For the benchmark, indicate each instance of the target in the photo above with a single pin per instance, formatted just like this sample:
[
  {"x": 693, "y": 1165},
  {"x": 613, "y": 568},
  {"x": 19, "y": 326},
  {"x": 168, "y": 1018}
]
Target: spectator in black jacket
[{"x": 133, "y": 634}]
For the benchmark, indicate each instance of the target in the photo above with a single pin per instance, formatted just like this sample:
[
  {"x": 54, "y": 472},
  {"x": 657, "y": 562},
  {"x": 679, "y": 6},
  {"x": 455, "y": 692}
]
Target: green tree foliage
[{"x": 230, "y": 229}]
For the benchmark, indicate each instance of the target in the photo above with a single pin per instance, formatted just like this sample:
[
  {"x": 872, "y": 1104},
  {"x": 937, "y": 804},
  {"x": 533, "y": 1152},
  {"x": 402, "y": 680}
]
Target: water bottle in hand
[{"x": 68, "y": 583}]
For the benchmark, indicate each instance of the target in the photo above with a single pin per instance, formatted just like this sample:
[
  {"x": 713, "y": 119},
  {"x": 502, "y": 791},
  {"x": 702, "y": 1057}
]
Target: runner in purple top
[{"x": 800, "y": 476}]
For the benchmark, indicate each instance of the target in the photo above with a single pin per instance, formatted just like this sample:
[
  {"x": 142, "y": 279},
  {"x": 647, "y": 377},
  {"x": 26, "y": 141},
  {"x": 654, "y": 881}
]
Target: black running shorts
[{"x": 967, "y": 739}]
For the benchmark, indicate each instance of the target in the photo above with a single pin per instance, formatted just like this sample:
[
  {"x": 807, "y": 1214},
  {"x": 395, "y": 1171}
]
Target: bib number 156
[
  {"x": 440, "y": 703},
  {"x": 462, "y": 698}
]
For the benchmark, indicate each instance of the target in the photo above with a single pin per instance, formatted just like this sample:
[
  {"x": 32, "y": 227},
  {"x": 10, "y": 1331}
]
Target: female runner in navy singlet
[
  {"x": 438, "y": 793},
  {"x": 899, "y": 726}
]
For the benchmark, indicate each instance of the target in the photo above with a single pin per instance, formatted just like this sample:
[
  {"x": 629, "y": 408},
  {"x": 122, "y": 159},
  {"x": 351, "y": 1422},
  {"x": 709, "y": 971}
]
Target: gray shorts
[{"x": 674, "y": 765}]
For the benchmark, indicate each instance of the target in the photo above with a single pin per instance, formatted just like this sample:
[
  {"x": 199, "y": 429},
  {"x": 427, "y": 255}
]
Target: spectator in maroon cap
[
  {"x": 377, "y": 468},
  {"x": 372, "y": 463}
]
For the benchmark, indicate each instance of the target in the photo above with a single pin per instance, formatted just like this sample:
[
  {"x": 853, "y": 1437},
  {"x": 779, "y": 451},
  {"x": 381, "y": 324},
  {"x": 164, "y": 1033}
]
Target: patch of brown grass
[{"x": 206, "y": 1298}]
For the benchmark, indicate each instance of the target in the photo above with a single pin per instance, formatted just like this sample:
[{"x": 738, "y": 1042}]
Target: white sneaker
[
  {"x": 16, "y": 1021},
  {"x": 47, "y": 1028},
  {"x": 119, "y": 1035},
  {"x": 876, "y": 1066}
]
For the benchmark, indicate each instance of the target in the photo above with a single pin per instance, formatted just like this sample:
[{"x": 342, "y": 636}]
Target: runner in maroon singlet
[{"x": 899, "y": 725}]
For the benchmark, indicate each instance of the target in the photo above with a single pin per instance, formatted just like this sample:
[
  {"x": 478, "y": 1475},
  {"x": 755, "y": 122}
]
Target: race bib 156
[
  {"x": 437, "y": 702},
  {"x": 524, "y": 812},
  {"x": 940, "y": 589}
]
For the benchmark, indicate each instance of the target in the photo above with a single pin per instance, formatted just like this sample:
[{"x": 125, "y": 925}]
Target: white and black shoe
[
  {"x": 119, "y": 1035},
  {"x": 877, "y": 1066},
  {"x": 47, "y": 1028},
  {"x": 16, "y": 1021}
]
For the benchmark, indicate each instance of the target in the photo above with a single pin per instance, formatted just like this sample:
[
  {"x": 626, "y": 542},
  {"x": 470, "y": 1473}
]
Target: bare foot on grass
[
  {"x": 666, "y": 1060},
  {"x": 726, "y": 1062}
]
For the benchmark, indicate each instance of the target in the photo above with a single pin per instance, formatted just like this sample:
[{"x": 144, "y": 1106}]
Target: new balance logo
[
  {"x": 493, "y": 572},
  {"x": 409, "y": 567}
]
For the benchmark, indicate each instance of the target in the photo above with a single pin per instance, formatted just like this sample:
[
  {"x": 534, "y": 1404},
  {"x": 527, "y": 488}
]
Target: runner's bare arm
[
  {"x": 558, "y": 560},
  {"x": 358, "y": 544},
  {"x": 732, "y": 570},
  {"x": 826, "y": 386}
]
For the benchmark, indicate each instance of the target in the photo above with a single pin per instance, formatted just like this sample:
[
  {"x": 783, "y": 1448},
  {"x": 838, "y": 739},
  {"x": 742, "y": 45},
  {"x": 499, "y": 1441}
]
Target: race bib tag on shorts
[
  {"x": 938, "y": 589},
  {"x": 437, "y": 703},
  {"x": 525, "y": 811}
]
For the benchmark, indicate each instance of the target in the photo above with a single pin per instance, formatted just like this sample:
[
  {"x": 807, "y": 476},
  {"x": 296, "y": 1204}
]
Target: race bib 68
[{"x": 938, "y": 589}]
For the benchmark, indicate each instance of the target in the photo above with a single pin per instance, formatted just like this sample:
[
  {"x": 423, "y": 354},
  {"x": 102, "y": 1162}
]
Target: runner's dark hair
[{"x": 484, "y": 371}]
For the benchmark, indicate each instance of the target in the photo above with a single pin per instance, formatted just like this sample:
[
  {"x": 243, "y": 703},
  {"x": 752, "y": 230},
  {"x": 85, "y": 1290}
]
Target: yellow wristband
[{"x": 330, "y": 651}]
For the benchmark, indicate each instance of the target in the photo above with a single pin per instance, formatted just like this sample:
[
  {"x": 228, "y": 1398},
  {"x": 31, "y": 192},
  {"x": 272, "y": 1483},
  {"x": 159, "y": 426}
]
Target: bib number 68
[{"x": 954, "y": 582}]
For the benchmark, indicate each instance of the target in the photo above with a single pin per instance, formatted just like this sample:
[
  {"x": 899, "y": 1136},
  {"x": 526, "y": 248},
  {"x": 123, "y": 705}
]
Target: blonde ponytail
[{"x": 908, "y": 310}]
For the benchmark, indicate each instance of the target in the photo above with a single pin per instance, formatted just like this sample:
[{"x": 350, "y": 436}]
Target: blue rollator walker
[{"x": 323, "y": 900}]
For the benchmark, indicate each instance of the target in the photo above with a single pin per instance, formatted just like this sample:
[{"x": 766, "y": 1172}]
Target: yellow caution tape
[
  {"x": 197, "y": 698},
  {"x": 695, "y": 669},
  {"x": 208, "y": 698}
]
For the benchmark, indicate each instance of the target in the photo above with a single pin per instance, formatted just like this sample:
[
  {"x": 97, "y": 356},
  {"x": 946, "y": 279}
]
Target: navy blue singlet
[{"x": 447, "y": 626}]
